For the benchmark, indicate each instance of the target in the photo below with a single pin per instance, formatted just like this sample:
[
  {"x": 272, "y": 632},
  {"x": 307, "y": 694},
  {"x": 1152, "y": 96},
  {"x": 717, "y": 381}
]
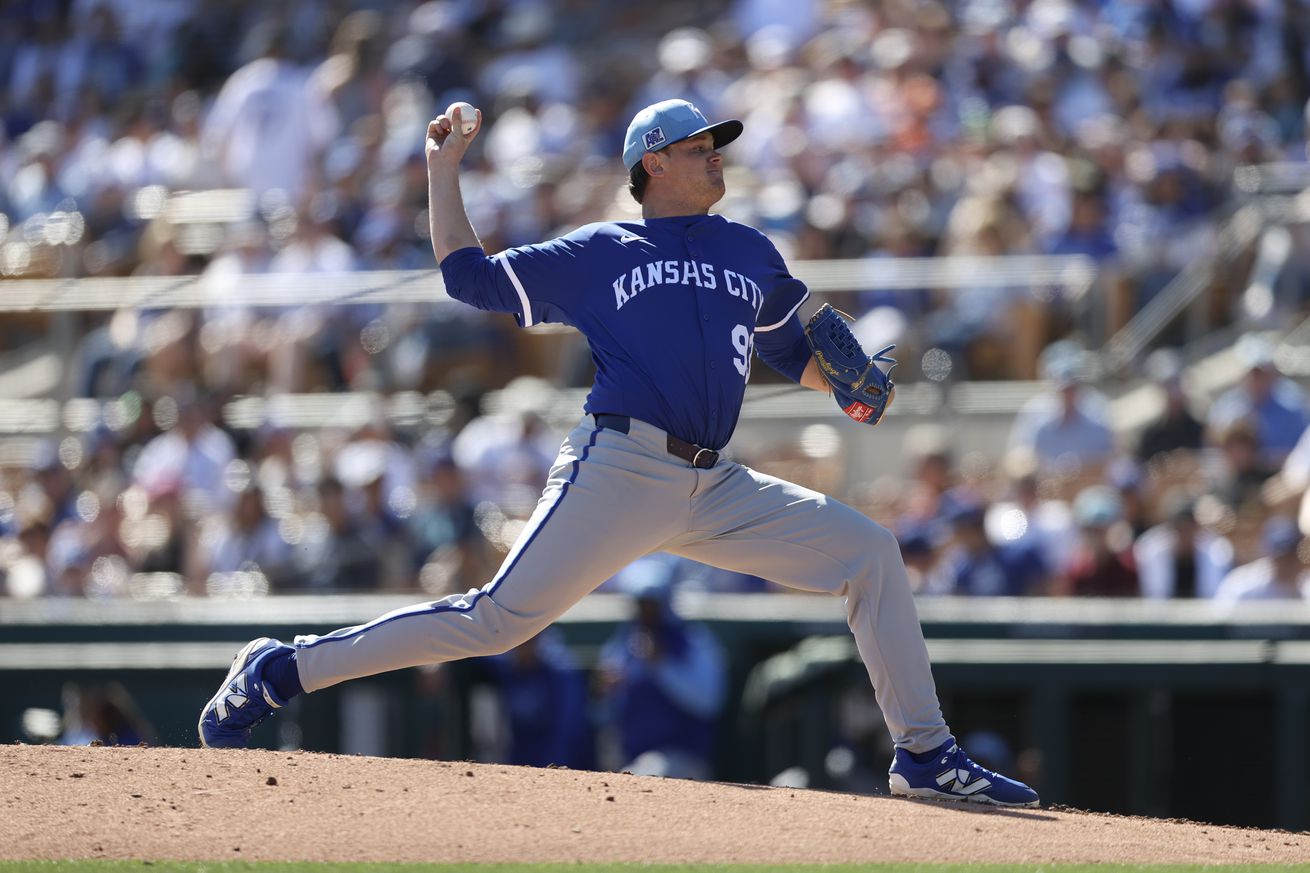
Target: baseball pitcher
[{"x": 674, "y": 307}]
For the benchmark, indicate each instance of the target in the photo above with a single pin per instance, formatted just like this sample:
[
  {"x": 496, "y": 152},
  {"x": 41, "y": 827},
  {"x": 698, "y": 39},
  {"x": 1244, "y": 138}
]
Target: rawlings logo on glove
[{"x": 861, "y": 388}]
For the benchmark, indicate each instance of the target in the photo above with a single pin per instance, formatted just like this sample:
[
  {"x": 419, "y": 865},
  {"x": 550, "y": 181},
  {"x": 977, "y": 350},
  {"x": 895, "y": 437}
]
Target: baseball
[{"x": 468, "y": 115}]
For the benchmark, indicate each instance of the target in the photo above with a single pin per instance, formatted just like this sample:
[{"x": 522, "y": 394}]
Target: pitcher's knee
[
  {"x": 861, "y": 534},
  {"x": 868, "y": 551},
  {"x": 498, "y": 629}
]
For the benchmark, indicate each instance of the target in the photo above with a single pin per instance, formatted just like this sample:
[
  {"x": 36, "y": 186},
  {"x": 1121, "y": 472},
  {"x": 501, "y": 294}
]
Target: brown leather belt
[{"x": 701, "y": 459}]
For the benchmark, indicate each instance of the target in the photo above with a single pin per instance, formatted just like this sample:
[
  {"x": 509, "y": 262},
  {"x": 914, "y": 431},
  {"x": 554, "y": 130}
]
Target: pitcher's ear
[{"x": 654, "y": 163}]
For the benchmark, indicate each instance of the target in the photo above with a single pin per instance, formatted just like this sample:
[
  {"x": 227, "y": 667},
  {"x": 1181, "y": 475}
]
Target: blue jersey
[{"x": 672, "y": 309}]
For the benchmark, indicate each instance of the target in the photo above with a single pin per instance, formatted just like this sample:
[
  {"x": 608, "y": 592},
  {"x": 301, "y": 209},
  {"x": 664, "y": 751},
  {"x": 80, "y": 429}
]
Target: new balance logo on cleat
[
  {"x": 235, "y": 698},
  {"x": 958, "y": 781}
]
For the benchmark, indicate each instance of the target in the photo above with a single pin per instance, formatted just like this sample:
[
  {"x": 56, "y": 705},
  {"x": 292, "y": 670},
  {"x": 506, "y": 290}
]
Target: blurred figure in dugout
[
  {"x": 662, "y": 683},
  {"x": 105, "y": 714},
  {"x": 543, "y": 698}
]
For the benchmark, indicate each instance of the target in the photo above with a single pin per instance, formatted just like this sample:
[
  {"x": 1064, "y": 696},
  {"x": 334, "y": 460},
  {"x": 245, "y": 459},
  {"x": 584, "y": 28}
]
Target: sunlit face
[{"x": 689, "y": 172}]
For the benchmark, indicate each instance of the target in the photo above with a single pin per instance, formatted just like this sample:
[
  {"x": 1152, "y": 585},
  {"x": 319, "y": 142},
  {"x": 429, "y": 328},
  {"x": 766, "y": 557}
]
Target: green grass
[{"x": 245, "y": 867}]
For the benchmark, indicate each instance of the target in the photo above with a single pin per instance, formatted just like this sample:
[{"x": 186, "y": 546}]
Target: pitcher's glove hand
[{"x": 861, "y": 388}]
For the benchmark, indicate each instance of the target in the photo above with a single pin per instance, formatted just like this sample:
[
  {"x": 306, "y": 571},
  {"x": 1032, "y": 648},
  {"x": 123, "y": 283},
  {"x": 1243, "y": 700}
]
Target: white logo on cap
[{"x": 654, "y": 137}]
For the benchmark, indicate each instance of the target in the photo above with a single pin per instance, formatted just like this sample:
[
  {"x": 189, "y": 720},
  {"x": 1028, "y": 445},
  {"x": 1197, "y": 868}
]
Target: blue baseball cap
[{"x": 670, "y": 121}]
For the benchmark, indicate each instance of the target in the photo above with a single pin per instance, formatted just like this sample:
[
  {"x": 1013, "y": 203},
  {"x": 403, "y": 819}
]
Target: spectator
[
  {"x": 1179, "y": 558},
  {"x": 55, "y": 490},
  {"x": 1238, "y": 475},
  {"x": 27, "y": 571},
  {"x": 933, "y": 494},
  {"x": 1029, "y": 521},
  {"x": 1175, "y": 428},
  {"x": 305, "y": 354},
  {"x": 919, "y": 552},
  {"x": 971, "y": 565},
  {"x": 87, "y": 554},
  {"x": 508, "y": 456},
  {"x": 1088, "y": 232},
  {"x": 247, "y": 541},
  {"x": 662, "y": 681},
  {"x": 1274, "y": 404},
  {"x": 343, "y": 558},
  {"x": 1065, "y": 427},
  {"x": 266, "y": 127},
  {"x": 1103, "y": 566},
  {"x": 353, "y": 76},
  {"x": 1278, "y": 575},
  {"x": 193, "y": 455},
  {"x": 172, "y": 548},
  {"x": 1126, "y": 477},
  {"x": 447, "y": 541}
]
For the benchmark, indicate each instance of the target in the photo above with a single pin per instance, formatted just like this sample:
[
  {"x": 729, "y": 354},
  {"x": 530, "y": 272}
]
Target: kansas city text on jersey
[{"x": 697, "y": 273}]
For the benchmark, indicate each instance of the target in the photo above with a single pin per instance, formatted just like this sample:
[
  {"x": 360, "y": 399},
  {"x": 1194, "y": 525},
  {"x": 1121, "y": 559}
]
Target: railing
[
  {"x": 1271, "y": 205},
  {"x": 1071, "y": 273}
]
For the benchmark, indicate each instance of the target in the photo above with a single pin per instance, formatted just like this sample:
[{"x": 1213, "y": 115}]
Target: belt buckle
[{"x": 714, "y": 456}]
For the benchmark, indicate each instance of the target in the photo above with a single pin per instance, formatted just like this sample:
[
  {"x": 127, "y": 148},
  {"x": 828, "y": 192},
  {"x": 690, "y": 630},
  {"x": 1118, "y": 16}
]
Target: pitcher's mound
[{"x": 192, "y": 804}]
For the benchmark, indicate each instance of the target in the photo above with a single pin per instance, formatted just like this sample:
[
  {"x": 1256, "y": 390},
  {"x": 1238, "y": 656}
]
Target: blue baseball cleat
[
  {"x": 952, "y": 775},
  {"x": 243, "y": 700}
]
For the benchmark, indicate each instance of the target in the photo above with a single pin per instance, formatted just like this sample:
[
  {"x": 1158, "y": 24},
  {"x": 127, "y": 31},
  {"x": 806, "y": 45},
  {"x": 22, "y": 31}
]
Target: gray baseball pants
[{"x": 614, "y": 497}]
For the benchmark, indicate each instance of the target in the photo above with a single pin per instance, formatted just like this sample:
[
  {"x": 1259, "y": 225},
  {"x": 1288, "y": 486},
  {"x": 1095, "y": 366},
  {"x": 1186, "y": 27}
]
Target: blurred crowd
[
  {"x": 176, "y": 138},
  {"x": 1203, "y": 502},
  {"x": 1105, "y": 129}
]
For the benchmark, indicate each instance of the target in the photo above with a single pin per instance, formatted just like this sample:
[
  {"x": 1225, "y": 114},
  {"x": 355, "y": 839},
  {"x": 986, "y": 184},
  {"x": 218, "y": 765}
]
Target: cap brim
[{"x": 723, "y": 132}]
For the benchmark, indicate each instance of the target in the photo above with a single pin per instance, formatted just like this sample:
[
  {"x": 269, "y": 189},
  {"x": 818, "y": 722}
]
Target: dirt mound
[{"x": 192, "y": 804}]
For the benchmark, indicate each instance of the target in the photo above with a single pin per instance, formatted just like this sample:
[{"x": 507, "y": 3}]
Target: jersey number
[{"x": 743, "y": 342}]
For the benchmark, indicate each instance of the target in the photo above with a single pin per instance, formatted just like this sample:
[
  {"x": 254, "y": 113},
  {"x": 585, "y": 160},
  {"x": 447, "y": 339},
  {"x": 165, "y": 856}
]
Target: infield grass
[{"x": 307, "y": 867}]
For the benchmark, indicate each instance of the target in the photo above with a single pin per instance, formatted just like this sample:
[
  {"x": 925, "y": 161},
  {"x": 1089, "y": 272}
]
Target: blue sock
[
  {"x": 282, "y": 675},
  {"x": 925, "y": 757}
]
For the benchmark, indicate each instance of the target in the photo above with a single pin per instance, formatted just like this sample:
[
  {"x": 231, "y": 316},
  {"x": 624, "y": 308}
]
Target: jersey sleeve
[
  {"x": 784, "y": 295},
  {"x": 779, "y": 337},
  {"x": 537, "y": 283}
]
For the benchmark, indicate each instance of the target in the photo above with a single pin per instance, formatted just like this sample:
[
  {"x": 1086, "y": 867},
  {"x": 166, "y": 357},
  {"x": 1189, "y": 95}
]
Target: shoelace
[{"x": 974, "y": 765}]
